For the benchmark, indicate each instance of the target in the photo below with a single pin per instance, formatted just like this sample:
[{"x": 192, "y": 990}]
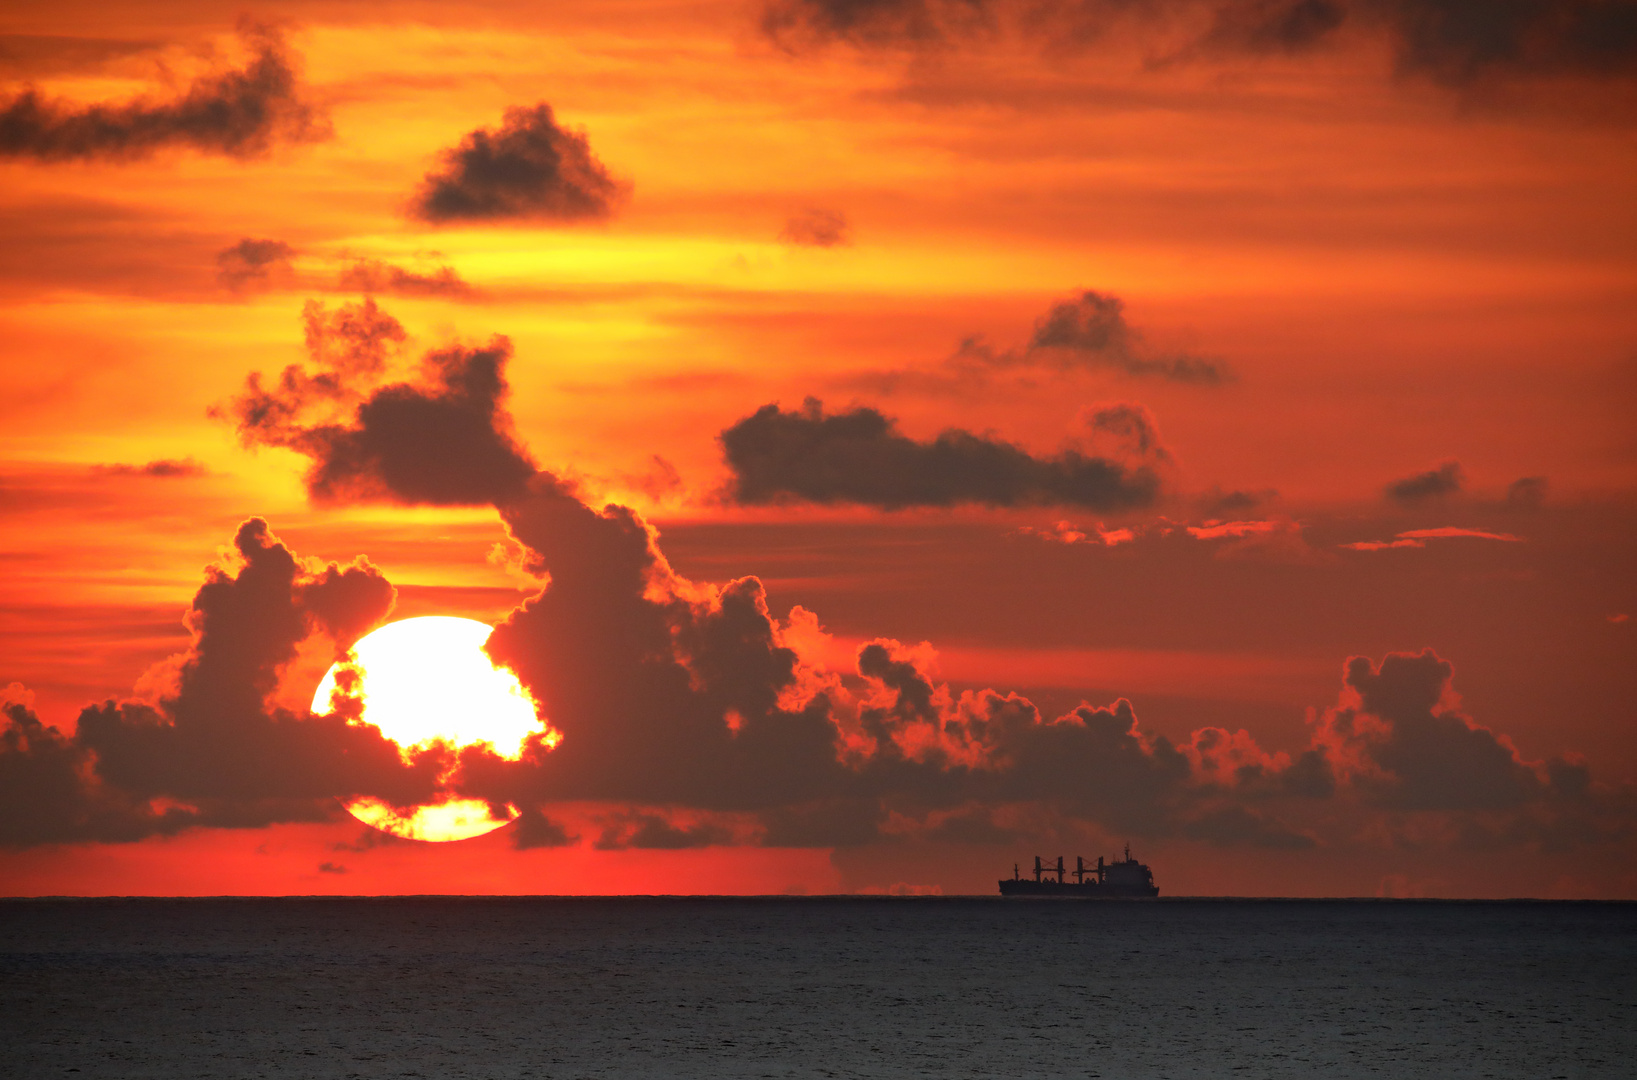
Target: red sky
[{"x": 1268, "y": 367}]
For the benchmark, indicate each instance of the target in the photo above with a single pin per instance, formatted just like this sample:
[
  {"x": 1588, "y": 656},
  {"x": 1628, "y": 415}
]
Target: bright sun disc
[{"x": 428, "y": 680}]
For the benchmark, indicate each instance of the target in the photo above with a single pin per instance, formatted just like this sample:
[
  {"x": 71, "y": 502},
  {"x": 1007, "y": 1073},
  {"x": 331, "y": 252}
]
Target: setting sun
[{"x": 428, "y": 680}]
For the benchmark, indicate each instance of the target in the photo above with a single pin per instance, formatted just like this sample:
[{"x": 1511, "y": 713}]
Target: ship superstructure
[{"x": 1118, "y": 878}]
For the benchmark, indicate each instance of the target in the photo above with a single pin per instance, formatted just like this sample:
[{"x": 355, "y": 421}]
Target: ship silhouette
[{"x": 1119, "y": 878}]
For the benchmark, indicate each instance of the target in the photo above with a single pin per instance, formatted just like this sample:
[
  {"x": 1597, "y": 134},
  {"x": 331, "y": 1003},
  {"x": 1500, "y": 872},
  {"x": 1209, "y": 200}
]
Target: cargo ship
[{"x": 1120, "y": 878}]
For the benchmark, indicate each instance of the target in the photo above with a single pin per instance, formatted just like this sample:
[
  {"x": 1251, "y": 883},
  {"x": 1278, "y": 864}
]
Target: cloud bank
[{"x": 694, "y": 716}]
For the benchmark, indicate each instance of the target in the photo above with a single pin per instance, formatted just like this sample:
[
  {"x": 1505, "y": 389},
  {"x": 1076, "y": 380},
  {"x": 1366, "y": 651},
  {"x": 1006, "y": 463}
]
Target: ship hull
[{"x": 1069, "y": 890}]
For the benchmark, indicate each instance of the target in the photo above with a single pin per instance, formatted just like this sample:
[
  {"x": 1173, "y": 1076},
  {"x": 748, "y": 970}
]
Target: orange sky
[{"x": 1392, "y": 242}]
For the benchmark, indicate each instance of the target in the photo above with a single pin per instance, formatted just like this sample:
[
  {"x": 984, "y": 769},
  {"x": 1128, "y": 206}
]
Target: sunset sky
[{"x": 897, "y": 438}]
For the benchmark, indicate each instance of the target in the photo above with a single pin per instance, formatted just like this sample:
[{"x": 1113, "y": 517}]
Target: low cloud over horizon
[{"x": 690, "y": 704}]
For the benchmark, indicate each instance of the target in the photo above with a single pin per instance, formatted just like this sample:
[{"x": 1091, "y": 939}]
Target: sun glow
[{"x": 428, "y": 680}]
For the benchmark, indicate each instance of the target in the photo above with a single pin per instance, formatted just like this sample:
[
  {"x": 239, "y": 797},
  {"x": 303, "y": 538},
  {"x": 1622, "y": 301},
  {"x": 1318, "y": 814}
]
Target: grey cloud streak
[{"x": 238, "y": 113}]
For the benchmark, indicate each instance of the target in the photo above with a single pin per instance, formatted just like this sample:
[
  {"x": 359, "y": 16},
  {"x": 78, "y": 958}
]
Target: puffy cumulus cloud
[
  {"x": 691, "y": 715},
  {"x": 1424, "y": 487},
  {"x": 816, "y": 227},
  {"x": 859, "y": 456},
  {"x": 1457, "y": 43},
  {"x": 377, "y": 276},
  {"x": 252, "y": 263},
  {"x": 239, "y": 113},
  {"x": 1399, "y": 736},
  {"x": 210, "y": 748},
  {"x": 443, "y": 438},
  {"x": 530, "y": 169}
]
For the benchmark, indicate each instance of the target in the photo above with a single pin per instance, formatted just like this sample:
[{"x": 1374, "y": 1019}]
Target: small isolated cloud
[
  {"x": 1436, "y": 483},
  {"x": 1091, "y": 331},
  {"x": 859, "y": 456},
  {"x": 1130, "y": 427},
  {"x": 816, "y": 228},
  {"x": 1219, "y": 503},
  {"x": 529, "y": 169},
  {"x": 331, "y": 868},
  {"x": 1088, "y": 332},
  {"x": 162, "y": 468},
  {"x": 251, "y": 263},
  {"x": 376, "y": 276},
  {"x": 1526, "y": 493},
  {"x": 239, "y": 113}
]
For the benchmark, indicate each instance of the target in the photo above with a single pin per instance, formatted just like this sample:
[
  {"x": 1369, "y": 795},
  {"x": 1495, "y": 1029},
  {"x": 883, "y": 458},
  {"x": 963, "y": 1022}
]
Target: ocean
[{"x": 815, "y": 987}]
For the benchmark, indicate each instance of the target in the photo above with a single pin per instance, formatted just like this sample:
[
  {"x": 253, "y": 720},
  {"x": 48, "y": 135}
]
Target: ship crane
[{"x": 1041, "y": 867}]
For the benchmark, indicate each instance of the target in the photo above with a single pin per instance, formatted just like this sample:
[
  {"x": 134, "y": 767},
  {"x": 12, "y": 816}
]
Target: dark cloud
[
  {"x": 1410, "y": 748},
  {"x": 1091, "y": 331},
  {"x": 210, "y": 748},
  {"x": 650, "y": 830},
  {"x": 530, "y": 169},
  {"x": 251, "y": 263},
  {"x": 859, "y": 457},
  {"x": 1274, "y": 25},
  {"x": 239, "y": 113},
  {"x": 1435, "y": 483},
  {"x": 532, "y": 829},
  {"x": 1086, "y": 333},
  {"x": 375, "y": 276},
  {"x": 444, "y": 439},
  {"x": 1459, "y": 42},
  {"x": 696, "y": 717},
  {"x": 799, "y": 23},
  {"x": 1526, "y": 493},
  {"x": 162, "y": 468},
  {"x": 816, "y": 228},
  {"x": 1454, "y": 42},
  {"x": 1220, "y": 502},
  {"x": 1131, "y": 427}
]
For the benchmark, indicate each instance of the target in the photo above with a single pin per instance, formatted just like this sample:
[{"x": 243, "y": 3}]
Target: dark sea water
[{"x": 815, "y": 988}]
